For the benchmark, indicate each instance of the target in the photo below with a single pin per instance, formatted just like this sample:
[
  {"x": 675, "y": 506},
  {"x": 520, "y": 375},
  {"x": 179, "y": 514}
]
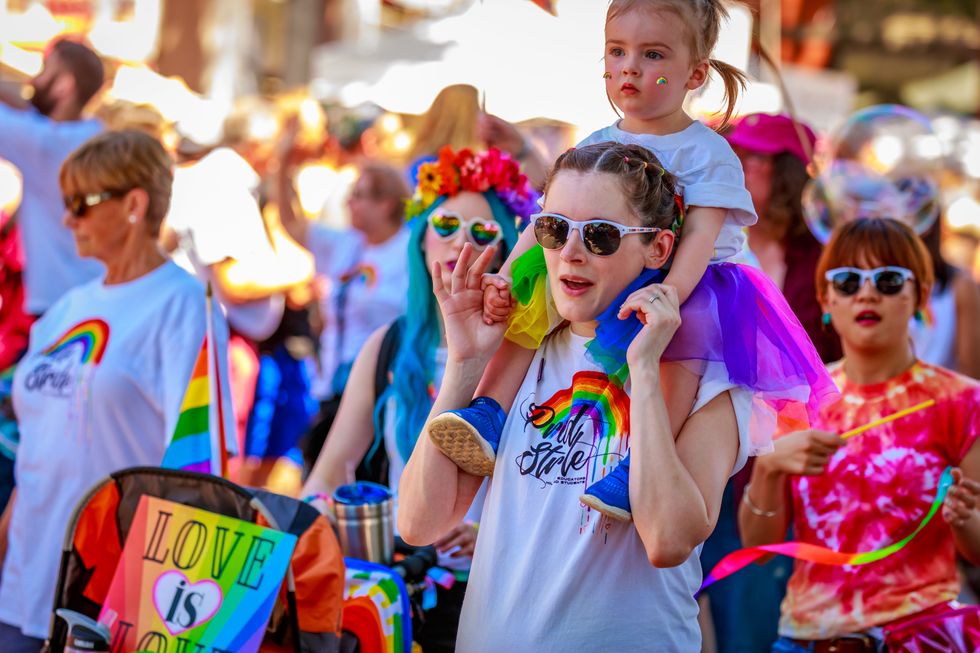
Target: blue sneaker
[
  {"x": 470, "y": 436},
  {"x": 611, "y": 494}
]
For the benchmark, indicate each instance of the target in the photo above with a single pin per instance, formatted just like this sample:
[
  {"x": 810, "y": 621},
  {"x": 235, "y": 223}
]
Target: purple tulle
[{"x": 737, "y": 317}]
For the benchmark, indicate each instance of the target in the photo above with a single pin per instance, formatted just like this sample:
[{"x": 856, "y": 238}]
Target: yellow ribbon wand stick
[{"x": 884, "y": 420}]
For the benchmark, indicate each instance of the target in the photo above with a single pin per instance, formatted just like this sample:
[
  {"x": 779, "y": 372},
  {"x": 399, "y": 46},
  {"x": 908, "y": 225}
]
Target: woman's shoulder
[
  {"x": 950, "y": 390},
  {"x": 702, "y": 148}
]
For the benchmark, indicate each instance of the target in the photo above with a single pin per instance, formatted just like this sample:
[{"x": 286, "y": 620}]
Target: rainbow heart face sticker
[{"x": 183, "y": 605}]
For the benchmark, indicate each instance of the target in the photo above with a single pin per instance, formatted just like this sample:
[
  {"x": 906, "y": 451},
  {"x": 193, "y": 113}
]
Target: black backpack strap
[
  {"x": 375, "y": 468},
  {"x": 386, "y": 356}
]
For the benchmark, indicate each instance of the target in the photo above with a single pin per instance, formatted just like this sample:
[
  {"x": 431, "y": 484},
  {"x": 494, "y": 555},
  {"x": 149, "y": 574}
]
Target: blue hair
[{"x": 413, "y": 367}]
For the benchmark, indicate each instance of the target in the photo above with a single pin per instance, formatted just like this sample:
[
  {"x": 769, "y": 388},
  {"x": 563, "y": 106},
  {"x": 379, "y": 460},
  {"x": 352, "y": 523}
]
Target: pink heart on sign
[{"x": 183, "y": 605}]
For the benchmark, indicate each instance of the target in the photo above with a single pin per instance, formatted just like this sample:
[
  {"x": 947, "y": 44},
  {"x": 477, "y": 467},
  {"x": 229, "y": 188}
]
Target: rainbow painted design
[
  {"x": 376, "y": 607},
  {"x": 190, "y": 579},
  {"x": 593, "y": 395},
  {"x": 661, "y": 81},
  {"x": 193, "y": 447},
  {"x": 737, "y": 560},
  {"x": 92, "y": 335},
  {"x": 363, "y": 272}
]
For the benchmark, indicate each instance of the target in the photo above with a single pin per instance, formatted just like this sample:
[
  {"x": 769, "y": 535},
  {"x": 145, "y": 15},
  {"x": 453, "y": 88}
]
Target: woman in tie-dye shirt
[{"x": 871, "y": 490}]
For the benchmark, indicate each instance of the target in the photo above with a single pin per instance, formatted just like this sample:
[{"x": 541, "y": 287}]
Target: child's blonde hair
[{"x": 703, "y": 19}]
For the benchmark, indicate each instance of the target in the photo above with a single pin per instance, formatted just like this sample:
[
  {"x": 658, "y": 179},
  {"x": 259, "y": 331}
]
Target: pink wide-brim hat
[{"x": 765, "y": 133}]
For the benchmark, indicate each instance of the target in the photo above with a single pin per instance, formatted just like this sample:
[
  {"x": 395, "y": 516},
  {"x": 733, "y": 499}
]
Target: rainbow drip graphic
[
  {"x": 193, "y": 580},
  {"x": 821, "y": 555},
  {"x": 376, "y": 607},
  {"x": 593, "y": 395},
  {"x": 92, "y": 335}
]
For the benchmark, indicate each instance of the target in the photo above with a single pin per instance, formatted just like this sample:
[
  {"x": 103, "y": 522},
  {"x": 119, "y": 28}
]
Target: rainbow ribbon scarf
[{"x": 822, "y": 555}]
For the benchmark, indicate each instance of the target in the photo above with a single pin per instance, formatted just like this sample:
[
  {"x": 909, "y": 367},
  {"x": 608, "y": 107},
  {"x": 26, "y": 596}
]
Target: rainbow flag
[{"x": 198, "y": 444}]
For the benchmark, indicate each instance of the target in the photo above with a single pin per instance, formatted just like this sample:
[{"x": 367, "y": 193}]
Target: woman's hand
[
  {"x": 960, "y": 505},
  {"x": 499, "y": 133},
  {"x": 460, "y": 297},
  {"x": 463, "y": 537},
  {"x": 658, "y": 308},
  {"x": 802, "y": 453}
]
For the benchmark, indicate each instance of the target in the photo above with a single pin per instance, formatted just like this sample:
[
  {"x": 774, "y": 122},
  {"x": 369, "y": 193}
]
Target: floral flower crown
[{"x": 479, "y": 172}]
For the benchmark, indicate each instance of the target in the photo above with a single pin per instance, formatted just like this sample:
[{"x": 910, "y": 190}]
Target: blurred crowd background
[{"x": 297, "y": 126}]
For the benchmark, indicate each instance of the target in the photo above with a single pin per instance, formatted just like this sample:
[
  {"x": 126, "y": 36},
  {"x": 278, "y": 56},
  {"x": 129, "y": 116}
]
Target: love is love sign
[{"x": 192, "y": 581}]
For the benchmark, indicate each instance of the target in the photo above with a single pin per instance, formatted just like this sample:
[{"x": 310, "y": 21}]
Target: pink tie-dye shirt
[{"x": 875, "y": 490}]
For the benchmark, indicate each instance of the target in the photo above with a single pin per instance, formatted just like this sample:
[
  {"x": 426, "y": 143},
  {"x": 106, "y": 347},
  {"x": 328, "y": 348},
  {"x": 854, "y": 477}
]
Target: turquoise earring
[
  {"x": 825, "y": 319},
  {"x": 919, "y": 317}
]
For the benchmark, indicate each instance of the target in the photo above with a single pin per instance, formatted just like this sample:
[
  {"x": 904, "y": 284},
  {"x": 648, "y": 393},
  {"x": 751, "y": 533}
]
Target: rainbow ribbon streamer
[{"x": 822, "y": 555}]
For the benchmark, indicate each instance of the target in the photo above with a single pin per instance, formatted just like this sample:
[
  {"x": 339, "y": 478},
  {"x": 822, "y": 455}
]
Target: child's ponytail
[{"x": 734, "y": 81}]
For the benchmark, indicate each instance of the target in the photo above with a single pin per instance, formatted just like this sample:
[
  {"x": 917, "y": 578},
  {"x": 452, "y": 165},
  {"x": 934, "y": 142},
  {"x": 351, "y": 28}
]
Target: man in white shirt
[{"x": 36, "y": 138}]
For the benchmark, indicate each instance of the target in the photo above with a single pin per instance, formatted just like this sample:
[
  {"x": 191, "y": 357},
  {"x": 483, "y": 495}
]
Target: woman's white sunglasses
[{"x": 601, "y": 237}]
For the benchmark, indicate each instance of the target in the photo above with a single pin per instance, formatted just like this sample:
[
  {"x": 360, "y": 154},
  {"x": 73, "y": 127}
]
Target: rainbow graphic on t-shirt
[
  {"x": 93, "y": 335},
  {"x": 363, "y": 272},
  {"x": 603, "y": 401}
]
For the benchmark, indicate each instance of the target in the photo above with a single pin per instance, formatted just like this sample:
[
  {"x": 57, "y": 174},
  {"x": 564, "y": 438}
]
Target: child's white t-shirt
[
  {"x": 708, "y": 174},
  {"x": 548, "y": 574},
  {"x": 107, "y": 400}
]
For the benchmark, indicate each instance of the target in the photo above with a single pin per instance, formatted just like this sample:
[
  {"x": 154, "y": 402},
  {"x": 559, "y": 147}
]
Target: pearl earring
[{"x": 132, "y": 218}]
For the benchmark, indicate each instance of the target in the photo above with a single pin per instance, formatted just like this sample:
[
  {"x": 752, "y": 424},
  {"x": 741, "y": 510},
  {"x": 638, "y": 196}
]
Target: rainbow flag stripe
[
  {"x": 190, "y": 448},
  {"x": 821, "y": 555},
  {"x": 93, "y": 335}
]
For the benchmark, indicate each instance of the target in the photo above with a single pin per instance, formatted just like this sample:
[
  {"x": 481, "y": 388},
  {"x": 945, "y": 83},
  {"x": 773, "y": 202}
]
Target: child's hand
[{"x": 497, "y": 300}]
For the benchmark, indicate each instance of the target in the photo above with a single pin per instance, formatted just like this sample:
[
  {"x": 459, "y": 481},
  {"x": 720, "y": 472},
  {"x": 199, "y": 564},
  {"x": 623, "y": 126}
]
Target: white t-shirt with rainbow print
[
  {"x": 548, "y": 574},
  {"x": 99, "y": 390}
]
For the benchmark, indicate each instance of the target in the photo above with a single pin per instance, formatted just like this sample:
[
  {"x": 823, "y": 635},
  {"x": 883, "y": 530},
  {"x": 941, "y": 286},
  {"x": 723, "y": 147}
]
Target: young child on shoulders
[{"x": 656, "y": 52}]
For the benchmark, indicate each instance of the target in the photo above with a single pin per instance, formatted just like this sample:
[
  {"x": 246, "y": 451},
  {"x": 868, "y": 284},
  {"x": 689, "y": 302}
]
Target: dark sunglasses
[
  {"x": 481, "y": 232},
  {"x": 888, "y": 280},
  {"x": 601, "y": 237},
  {"x": 79, "y": 203}
]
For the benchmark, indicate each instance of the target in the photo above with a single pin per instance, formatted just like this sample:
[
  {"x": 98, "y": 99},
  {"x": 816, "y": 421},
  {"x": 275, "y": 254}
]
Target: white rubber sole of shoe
[
  {"x": 609, "y": 511},
  {"x": 461, "y": 443}
]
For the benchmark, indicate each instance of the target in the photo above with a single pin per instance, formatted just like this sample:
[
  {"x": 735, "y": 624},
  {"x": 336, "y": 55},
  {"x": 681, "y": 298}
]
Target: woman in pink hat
[{"x": 775, "y": 154}]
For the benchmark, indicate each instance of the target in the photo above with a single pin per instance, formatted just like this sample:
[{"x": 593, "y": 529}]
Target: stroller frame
[{"x": 57, "y": 632}]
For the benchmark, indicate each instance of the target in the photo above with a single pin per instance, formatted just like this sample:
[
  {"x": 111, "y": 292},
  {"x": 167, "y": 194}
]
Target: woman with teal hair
[{"x": 463, "y": 197}]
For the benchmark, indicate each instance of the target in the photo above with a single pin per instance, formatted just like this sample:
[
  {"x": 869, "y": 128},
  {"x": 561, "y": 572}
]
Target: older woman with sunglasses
[
  {"x": 457, "y": 203},
  {"x": 870, "y": 491},
  {"x": 101, "y": 385}
]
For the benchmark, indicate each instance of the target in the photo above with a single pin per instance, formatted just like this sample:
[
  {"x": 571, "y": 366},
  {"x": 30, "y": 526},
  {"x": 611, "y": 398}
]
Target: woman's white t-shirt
[
  {"x": 369, "y": 281},
  {"x": 99, "y": 390},
  {"x": 708, "y": 174},
  {"x": 549, "y": 574}
]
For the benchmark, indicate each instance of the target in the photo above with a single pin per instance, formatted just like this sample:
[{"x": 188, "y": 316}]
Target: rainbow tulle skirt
[{"x": 735, "y": 316}]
